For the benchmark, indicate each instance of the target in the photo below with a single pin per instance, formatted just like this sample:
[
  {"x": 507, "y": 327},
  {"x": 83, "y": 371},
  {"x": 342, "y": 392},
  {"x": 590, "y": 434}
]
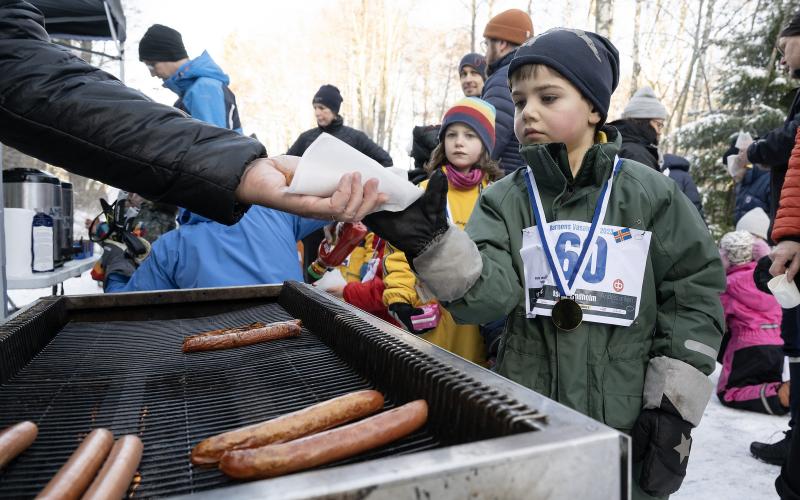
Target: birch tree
[{"x": 603, "y": 17}]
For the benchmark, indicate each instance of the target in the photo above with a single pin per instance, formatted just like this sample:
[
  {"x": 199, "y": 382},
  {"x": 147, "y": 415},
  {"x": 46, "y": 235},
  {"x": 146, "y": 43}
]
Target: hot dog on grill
[
  {"x": 239, "y": 338},
  {"x": 313, "y": 419},
  {"x": 114, "y": 478},
  {"x": 16, "y": 439},
  {"x": 325, "y": 447},
  {"x": 221, "y": 331},
  {"x": 75, "y": 475}
]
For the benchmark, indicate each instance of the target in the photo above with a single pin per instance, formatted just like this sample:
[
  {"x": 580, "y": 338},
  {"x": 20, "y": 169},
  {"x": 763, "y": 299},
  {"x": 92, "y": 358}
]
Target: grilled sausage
[
  {"x": 325, "y": 447},
  {"x": 114, "y": 478},
  {"x": 16, "y": 439},
  {"x": 273, "y": 331},
  {"x": 75, "y": 475},
  {"x": 313, "y": 419},
  {"x": 221, "y": 331}
]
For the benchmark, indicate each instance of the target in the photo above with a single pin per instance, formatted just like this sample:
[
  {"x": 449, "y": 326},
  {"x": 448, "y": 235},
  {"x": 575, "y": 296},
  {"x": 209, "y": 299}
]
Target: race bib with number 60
[{"x": 609, "y": 289}]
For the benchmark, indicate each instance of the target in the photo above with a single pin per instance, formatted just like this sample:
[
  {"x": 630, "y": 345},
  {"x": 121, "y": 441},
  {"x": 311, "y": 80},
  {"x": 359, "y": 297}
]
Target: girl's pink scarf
[{"x": 463, "y": 181}]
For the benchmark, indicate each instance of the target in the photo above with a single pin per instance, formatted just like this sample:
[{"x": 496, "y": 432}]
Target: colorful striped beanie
[{"x": 477, "y": 114}]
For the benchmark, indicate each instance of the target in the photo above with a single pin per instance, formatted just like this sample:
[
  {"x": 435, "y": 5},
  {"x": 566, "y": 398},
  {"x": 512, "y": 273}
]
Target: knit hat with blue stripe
[{"x": 475, "y": 113}]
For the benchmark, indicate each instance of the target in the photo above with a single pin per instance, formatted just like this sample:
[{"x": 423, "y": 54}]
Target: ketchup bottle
[{"x": 345, "y": 238}]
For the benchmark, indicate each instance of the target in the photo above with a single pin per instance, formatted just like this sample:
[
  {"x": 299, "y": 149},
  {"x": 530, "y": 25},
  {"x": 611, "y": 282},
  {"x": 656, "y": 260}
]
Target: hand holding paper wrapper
[{"x": 328, "y": 158}]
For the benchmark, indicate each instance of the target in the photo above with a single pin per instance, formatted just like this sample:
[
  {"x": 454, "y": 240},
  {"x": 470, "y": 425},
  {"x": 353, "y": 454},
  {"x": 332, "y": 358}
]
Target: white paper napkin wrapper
[
  {"x": 327, "y": 159},
  {"x": 743, "y": 140},
  {"x": 785, "y": 292}
]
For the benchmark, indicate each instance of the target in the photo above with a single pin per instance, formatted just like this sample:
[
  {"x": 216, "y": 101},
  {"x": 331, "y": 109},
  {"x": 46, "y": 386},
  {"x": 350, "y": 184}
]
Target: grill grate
[{"x": 132, "y": 378}]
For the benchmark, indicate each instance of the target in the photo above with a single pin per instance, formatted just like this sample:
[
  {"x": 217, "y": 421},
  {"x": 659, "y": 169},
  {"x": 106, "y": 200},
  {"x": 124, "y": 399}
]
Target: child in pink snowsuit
[{"x": 752, "y": 365}]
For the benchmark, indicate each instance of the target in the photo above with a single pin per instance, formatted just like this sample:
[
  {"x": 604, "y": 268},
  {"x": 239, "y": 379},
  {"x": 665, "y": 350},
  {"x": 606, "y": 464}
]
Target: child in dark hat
[{"x": 608, "y": 276}]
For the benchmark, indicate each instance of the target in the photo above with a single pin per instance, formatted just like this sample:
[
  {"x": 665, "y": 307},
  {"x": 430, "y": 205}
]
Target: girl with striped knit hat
[{"x": 466, "y": 139}]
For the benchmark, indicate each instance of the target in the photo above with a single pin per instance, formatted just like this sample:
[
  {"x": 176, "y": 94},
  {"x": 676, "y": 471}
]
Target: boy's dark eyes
[
  {"x": 519, "y": 103},
  {"x": 547, "y": 99}
]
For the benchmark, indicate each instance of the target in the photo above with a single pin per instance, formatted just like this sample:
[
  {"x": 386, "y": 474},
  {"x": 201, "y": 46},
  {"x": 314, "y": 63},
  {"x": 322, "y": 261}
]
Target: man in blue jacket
[
  {"x": 261, "y": 248},
  {"x": 503, "y": 34},
  {"x": 203, "y": 93},
  {"x": 201, "y": 85}
]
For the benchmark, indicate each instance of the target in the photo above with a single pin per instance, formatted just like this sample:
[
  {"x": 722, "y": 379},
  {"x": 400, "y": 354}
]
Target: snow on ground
[
  {"x": 720, "y": 466},
  {"x": 73, "y": 286}
]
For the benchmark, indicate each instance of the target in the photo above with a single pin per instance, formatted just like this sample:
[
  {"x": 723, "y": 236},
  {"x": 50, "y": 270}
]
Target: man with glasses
[
  {"x": 773, "y": 150},
  {"x": 503, "y": 34},
  {"x": 641, "y": 127}
]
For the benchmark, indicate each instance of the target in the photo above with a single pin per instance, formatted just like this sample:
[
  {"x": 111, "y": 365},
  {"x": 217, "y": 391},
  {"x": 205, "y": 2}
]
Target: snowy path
[{"x": 720, "y": 466}]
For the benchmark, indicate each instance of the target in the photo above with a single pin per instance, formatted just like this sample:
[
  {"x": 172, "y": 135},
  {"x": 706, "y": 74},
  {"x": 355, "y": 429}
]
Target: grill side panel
[{"x": 24, "y": 335}]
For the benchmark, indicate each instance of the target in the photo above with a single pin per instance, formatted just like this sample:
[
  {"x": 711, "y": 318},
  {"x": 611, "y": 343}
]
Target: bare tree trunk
[
  {"x": 604, "y": 17},
  {"x": 680, "y": 108},
  {"x": 490, "y": 4},
  {"x": 566, "y": 13},
  {"x": 637, "y": 67},
  {"x": 473, "y": 16},
  {"x": 697, "y": 92}
]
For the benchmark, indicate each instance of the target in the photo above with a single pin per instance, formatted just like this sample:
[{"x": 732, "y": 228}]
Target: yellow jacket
[
  {"x": 351, "y": 269},
  {"x": 400, "y": 283}
]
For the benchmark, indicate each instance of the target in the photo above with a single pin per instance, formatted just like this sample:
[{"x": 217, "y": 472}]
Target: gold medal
[{"x": 567, "y": 315}]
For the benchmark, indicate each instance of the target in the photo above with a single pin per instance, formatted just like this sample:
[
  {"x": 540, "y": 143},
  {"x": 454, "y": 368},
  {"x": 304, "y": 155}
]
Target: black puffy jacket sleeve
[
  {"x": 774, "y": 148},
  {"x": 56, "y": 107}
]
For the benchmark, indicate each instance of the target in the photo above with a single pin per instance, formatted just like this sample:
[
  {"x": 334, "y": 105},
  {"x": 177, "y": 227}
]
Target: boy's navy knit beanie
[
  {"x": 330, "y": 97},
  {"x": 589, "y": 61},
  {"x": 162, "y": 44}
]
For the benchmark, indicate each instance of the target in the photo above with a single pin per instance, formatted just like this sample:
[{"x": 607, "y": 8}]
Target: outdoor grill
[{"x": 72, "y": 364}]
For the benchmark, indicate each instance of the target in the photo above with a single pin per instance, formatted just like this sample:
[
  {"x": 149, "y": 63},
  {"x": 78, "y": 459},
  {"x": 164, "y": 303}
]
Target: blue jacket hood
[{"x": 199, "y": 67}]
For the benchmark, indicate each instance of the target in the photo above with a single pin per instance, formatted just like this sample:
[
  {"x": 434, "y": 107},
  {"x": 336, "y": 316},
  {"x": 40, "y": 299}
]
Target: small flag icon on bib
[{"x": 622, "y": 235}]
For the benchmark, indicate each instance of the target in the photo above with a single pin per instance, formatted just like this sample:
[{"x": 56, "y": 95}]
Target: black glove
[
  {"x": 417, "y": 175},
  {"x": 761, "y": 275},
  {"x": 661, "y": 441},
  {"x": 402, "y": 312},
  {"x": 115, "y": 260},
  {"x": 412, "y": 229}
]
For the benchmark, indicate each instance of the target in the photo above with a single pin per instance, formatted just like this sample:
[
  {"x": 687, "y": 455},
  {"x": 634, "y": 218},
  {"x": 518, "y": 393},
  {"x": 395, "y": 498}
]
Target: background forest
[{"x": 713, "y": 63}]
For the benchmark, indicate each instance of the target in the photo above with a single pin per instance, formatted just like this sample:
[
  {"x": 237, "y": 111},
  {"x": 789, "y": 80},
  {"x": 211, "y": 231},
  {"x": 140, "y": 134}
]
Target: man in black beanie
[
  {"x": 327, "y": 102},
  {"x": 772, "y": 150},
  {"x": 201, "y": 85}
]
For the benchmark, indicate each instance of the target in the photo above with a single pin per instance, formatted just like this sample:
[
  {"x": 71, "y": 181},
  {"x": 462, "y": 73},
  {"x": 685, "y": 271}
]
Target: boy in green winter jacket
[{"x": 608, "y": 275}]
